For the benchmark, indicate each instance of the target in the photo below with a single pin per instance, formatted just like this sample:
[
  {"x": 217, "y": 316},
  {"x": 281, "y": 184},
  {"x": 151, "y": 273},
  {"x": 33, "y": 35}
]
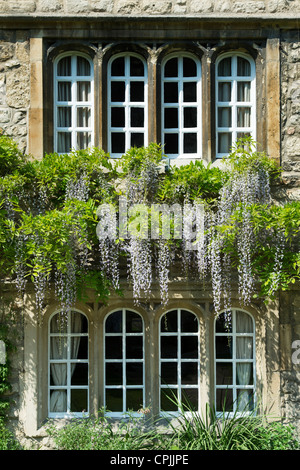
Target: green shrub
[{"x": 7, "y": 439}]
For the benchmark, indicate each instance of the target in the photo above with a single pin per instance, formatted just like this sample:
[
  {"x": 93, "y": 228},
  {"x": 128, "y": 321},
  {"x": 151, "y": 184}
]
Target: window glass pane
[
  {"x": 190, "y": 399},
  {"x": 118, "y": 92},
  {"x": 64, "y": 142},
  {"x": 224, "y": 347},
  {"x": 64, "y": 91},
  {"x": 82, "y": 349},
  {"x": 243, "y": 117},
  {"x": 134, "y": 373},
  {"x": 189, "y": 373},
  {"x": 83, "y": 140},
  {"x": 118, "y": 117},
  {"x": 134, "y": 322},
  {"x": 224, "y": 117},
  {"x": 79, "y": 402},
  {"x": 244, "y": 373},
  {"x": 113, "y": 323},
  {"x": 189, "y": 67},
  {"x": 189, "y": 347},
  {"x": 58, "y": 347},
  {"x": 190, "y": 117},
  {"x": 171, "y": 68},
  {"x": 113, "y": 373},
  {"x": 244, "y": 347},
  {"x": 224, "y": 142},
  {"x": 169, "y": 373},
  {"x": 244, "y": 323},
  {"x": 224, "y": 400},
  {"x": 114, "y": 400},
  {"x": 224, "y": 373},
  {"x": 168, "y": 346},
  {"x": 189, "y": 322},
  {"x": 243, "y": 67},
  {"x": 245, "y": 400},
  {"x": 113, "y": 347},
  {"x": 64, "y": 67},
  {"x": 84, "y": 117},
  {"x": 136, "y": 67},
  {"x": 189, "y": 92},
  {"x": 118, "y": 142},
  {"x": 118, "y": 67},
  {"x": 224, "y": 91},
  {"x": 64, "y": 117},
  {"x": 83, "y": 91},
  {"x": 137, "y": 139},
  {"x": 224, "y": 324},
  {"x": 171, "y": 118},
  {"x": 134, "y": 347},
  {"x": 83, "y": 67},
  {"x": 171, "y": 143},
  {"x": 167, "y": 400},
  {"x": 243, "y": 91},
  {"x": 134, "y": 399},
  {"x": 137, "y": 92},
  {"x": 58, "y": 374},
  {"x": 190, "y": 143},
  {"x": 171, "y": 92},
  {"x": 224, "y": 67},
  {"x": 58, "y": 401},
  {"x": 168, "y": 323},
  {"x": 79, "y": 374},
  {"x": 137, "y": 117}
]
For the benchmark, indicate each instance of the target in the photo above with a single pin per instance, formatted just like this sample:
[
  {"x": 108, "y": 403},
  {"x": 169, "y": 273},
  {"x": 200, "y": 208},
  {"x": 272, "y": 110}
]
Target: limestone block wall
[
  {"x": 151, "y": 7},
  {"x": 290, "y": 111},
  {"x": 14, "y": 86}
]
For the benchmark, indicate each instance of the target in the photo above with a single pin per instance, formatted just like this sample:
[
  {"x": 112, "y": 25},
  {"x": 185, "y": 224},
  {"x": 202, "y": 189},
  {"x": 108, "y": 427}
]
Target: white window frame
[
  {"x": 234, "y": 386},
  {"x": 68, "y": 361},
  {"x": 74, "y": 103},
  {"x": 124, "y": 387},
  {"x": 176, "y": 388},
  {"x": 234, "y": 103},
  {"x": 180, "y": 79},
  {"x": 127, "y": 104}
]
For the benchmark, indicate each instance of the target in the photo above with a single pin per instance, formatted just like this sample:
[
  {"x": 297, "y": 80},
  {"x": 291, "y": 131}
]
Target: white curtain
[
  {"x": 244, "y": 350},
  {"x": 59, "y": 350}
]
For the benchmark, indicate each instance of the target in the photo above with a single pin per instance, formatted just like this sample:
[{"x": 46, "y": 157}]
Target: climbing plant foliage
[{"x": 49, "y": 216}]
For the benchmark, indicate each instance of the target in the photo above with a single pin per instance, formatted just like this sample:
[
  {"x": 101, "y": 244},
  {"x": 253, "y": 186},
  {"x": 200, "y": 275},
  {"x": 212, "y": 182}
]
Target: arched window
[
  {"x": 181, "y": 106},
  {"x": 73, "y": 103},
  {"x": 234, "y": 362},
  {"x": 235, "y": 101},
  {"x": 127, "y": 103},
  {"x": 179, "y": 370},
  {"x": 68, "y": 365},
  {"x": 124, "y": 362}
]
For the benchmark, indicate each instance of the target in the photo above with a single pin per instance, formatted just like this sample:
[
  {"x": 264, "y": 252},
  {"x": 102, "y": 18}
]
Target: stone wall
[
  {"x": 14, "y": 86},
  {"x": 290, "y": 357},
  {"x": 290, "y": 112},
  {"x": 149, "y": 7}
]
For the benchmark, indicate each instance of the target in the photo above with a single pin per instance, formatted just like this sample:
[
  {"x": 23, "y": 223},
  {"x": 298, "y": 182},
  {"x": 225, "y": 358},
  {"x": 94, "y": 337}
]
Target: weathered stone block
[
  {"x": 158, "y": 7},
  {"x": 201, "y": 7},
  {"x": 25, "y": 6},
  {"x": 102, "y": 6},
  {"x": 6, "y": 51},
  {"x": 18, "y": 87},
  {"x": 77, "y": 6},
  {"x": 128, "y": 7},
  {"x": 254, "y": 6},
  {"x": 49, "y": 5}
]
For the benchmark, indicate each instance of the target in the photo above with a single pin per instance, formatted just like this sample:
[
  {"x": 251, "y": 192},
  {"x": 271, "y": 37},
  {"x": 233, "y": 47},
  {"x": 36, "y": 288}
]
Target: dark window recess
[
  {"x": 171, "y": 144},
  {"x": 118, "y": 142},
  {"x": 190, "y": 143}
]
